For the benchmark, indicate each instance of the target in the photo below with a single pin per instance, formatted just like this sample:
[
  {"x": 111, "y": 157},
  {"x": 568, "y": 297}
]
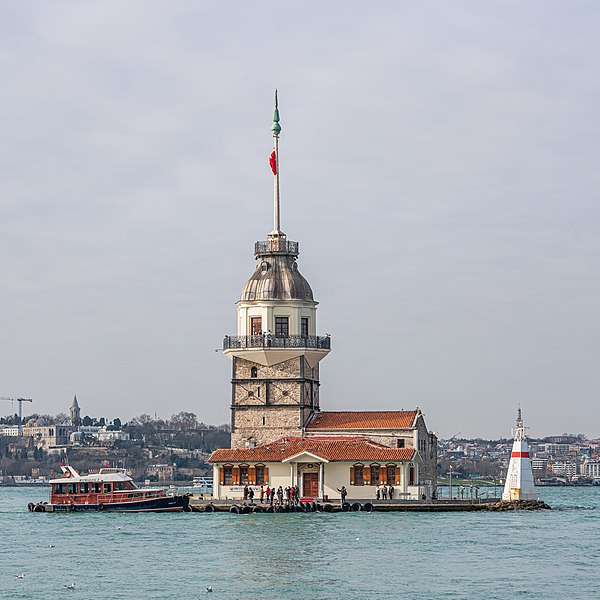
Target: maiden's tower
[{"x": 279, "y": 434}]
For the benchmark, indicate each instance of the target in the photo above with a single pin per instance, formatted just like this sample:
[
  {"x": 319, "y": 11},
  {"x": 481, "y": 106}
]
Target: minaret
[
  {"x": 519, "y": 478},
  {"x": 276, "y": 352},
  {"x": 75, "y": 413}
]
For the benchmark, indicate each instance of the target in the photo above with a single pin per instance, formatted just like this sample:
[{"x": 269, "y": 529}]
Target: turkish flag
[{"x": 273, "y": 162}]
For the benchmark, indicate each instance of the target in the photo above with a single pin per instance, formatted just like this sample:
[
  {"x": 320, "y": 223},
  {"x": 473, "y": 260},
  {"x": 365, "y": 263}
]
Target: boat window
[
  {"x": 60, "y": 488},
  {"x": 84, "y": 488},
  {"x": 96, "y": 488},
  {"x": 71, "y": 488},
  {"x": 107, "y": 488},
  {"x": 121, "y": 485}
]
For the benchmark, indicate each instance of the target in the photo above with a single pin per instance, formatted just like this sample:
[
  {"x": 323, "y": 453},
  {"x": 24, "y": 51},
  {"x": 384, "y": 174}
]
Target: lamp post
[{"x": 450, "y": 482}]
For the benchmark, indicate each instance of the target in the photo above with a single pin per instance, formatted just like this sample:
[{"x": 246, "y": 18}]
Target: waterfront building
[
  {"x": 279, "y": 434},
  {"x": 591, "y": 469}
]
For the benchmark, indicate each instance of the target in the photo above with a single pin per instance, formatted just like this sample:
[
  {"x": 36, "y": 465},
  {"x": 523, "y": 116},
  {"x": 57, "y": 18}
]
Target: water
[{"x": 351, "y": 556}]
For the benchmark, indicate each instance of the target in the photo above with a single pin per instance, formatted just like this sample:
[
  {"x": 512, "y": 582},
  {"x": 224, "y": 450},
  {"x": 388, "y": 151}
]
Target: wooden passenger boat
[{"x": 107, "y": 490}]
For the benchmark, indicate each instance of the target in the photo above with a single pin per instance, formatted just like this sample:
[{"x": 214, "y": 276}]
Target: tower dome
[{"x": 276, "y": 276}]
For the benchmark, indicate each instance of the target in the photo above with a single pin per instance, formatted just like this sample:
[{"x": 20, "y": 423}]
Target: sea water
[{"x": 541, "y": 554}]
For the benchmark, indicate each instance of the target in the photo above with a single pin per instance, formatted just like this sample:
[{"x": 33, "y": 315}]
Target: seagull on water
[
  {"x": 50, "y": 545},
  {"x": 209, "y": 589},
  {"x": 70, "y": 586},
  {"x": 20, "y": 576}
]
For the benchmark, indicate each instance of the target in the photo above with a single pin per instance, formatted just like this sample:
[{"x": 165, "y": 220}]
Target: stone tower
[
  {"x": 75, "y": 413},
  {"x": 276, "y": 352}
]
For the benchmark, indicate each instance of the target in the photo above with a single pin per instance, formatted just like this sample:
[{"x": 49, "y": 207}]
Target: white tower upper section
[
  {"x": 277, "y": 310},
  {"x": 519, "y": 478}
]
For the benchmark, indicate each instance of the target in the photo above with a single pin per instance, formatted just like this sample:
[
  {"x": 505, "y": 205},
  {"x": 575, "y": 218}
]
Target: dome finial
[{"x": 276, "y": 128}]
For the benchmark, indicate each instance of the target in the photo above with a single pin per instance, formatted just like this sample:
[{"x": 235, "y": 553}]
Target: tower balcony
[
  {"x": 266, "y": 350},
  {"x": 317, "y": 342}
]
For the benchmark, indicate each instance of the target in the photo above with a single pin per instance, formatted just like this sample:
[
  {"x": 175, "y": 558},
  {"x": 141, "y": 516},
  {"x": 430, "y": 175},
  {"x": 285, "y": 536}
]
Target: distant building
[
  {"x": 564, "y": 468},
  {"x": 75, "y": 413},
  {"x": 48, "y": 436},
  {"x": 9, "y": 430},
  {"x": 591, "y": 469}
]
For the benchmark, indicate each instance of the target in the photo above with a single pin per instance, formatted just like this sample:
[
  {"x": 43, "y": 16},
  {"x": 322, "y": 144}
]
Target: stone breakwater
[
  {"x": 518, "y": 505},
  {"x": 354, "y": 506}
]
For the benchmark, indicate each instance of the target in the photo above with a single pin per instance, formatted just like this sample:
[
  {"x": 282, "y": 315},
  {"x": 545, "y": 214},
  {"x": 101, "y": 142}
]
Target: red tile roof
[
  {"x": 354, "y": 449},
  {"x": 363, "y": 419}
]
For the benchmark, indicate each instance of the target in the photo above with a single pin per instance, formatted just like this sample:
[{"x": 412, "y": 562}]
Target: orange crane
[{"x": 20, "y": 401}]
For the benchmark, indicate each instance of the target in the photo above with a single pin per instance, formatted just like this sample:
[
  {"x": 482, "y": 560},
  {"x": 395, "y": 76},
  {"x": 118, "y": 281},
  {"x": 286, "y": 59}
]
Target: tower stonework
[{"x": 276, "y": 352}]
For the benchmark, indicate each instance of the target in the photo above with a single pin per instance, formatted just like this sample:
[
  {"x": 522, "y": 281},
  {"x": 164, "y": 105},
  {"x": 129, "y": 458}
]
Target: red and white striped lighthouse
[{"x": 519, "y": 479}]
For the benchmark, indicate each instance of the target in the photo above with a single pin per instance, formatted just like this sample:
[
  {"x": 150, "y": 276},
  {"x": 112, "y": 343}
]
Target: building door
[{"x": 310, "y": 484}]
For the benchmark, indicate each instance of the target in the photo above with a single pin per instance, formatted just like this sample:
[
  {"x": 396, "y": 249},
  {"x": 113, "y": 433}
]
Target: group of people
[
  {"x": 383, "y": 492},
  {"x": 263, "y": 338},
  {"x": 290, "y": 496}
]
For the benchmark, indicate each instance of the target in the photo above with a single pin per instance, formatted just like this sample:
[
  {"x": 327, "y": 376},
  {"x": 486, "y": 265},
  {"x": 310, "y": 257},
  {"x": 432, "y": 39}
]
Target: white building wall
[{"x": 336, "y": 475}]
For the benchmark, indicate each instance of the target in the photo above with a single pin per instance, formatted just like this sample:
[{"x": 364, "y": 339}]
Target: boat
[{"x": 109, "y": 490}]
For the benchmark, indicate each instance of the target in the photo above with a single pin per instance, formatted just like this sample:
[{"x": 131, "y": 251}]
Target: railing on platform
[
  {"x": 318, "y": 342},
  {"x": 276, "y": 246}
]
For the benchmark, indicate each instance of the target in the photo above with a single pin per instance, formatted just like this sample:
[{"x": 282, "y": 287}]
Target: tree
[
  {"x": 87, "y": 421},
  {"x": 183, "y": 421}
]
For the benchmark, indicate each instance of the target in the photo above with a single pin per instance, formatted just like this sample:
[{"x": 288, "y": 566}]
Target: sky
[{"x": 440, "y": 167}]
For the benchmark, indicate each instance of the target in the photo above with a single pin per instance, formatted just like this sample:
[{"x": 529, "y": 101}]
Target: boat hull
[{"x": 163, "y": 504}]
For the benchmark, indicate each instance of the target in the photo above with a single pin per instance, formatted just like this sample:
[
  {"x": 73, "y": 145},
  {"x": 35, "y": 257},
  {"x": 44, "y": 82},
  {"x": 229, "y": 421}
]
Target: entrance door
[{"x": 310, "y": 484}]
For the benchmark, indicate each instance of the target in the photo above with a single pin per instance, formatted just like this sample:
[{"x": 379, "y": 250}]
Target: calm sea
[{"x": 351, "y": 556}]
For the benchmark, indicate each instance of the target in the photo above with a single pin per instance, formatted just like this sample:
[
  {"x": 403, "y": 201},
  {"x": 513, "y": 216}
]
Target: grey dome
[{"x": 277, "y": 278}]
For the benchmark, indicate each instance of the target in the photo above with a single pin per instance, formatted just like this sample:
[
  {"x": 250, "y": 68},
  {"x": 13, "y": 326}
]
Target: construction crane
[{"x": 20, "y": 401}]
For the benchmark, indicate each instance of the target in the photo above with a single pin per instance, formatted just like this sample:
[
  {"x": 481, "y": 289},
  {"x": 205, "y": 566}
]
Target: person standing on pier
[
  {"x": 391, "y": 492},
  {"x": 343, "y": 493}
]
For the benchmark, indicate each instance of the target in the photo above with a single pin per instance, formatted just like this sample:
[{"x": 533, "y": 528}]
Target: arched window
[
  {"x": 375, "y": 471},
  {"x": 357, "y": 475},
  {"x": 254, "y": 372}
]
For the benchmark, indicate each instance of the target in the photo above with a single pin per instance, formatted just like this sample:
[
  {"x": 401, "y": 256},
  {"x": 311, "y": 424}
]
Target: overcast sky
[{"x": 440, "y": 168}]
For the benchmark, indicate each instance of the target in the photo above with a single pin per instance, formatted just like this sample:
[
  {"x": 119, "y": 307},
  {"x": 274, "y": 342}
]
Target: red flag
[{"x": 273, "y": 162}]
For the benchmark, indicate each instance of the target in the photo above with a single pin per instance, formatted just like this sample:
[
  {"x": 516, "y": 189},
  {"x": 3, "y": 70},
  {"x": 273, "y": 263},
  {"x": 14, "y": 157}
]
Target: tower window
[
  {"x": 282, "y": 328},
  {"x": 304, "y": 326},
  {"x": 256, "y": 325},
  {"x": 253, "y": 372},
  {"x": 250, "y": 393},
  {"x": 400, "y": 443}
]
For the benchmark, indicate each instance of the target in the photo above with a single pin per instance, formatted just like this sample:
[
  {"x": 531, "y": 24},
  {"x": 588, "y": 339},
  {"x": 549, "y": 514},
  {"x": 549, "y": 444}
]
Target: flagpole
[
  {"x": 276, "y": 129},
  {"x": 276, "y": 214}
]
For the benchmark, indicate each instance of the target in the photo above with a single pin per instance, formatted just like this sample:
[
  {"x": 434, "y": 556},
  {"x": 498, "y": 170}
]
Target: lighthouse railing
[{"x": 318, "y": 342}]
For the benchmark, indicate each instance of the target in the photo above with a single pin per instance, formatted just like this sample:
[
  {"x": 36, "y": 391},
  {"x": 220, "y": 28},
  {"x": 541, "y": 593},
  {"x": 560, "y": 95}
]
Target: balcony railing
[
  {"x": 276, "y": 246},
  {"x": 231, "y": 342}
]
